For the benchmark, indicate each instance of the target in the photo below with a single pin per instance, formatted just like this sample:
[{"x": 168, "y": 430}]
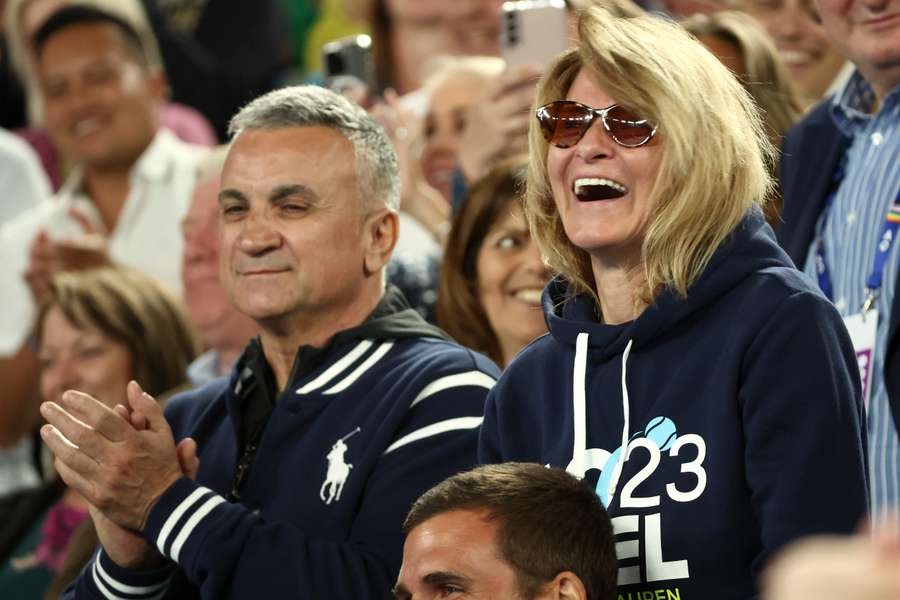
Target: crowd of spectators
[{"x": 248, "y": 320}]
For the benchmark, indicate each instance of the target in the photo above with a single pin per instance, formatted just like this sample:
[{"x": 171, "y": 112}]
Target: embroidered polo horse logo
[{"x": 338, "y": 470}]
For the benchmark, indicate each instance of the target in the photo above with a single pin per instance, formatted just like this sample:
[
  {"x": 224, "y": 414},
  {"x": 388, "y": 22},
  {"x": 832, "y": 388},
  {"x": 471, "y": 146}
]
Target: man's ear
[
  {"x": 565, "y": 586},
  {"x": 380, "y": 232},
  {"x": 157, "y": 84}
]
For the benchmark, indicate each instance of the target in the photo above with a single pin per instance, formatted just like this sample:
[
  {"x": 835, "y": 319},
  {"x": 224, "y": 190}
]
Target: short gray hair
[{"x": 377, "y": 174}]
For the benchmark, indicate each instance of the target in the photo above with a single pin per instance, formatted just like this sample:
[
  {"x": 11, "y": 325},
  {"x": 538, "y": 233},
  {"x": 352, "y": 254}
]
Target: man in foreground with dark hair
[{"x": 508, "y": 531}]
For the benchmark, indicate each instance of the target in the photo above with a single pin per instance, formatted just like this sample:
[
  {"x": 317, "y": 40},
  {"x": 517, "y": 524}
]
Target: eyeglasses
[{"x": 564, "y": 122}]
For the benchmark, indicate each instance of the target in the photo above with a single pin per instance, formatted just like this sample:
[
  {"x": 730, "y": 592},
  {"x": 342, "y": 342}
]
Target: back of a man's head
[
  {"x": 547, "y": 522},
  {"x": 376, "y": 167}
]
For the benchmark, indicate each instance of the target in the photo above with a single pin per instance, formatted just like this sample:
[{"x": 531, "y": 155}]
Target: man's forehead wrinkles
[
  {"x": 270, "y": 194},
  {"x": 293, "y": 189},
  {"x": 231, "y": 193}
]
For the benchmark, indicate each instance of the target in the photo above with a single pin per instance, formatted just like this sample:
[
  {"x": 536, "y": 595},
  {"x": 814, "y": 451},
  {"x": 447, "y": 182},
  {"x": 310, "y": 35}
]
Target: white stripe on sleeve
[
  {"x": 435, "y": 429},
  {"x": 108, "y": 594},
  {"x": 475, "y": 378},
  {"x": 336, "y": 369},
  {"x": 169, "y": 525},
  {"x": 122, "y": 587},
  {"x": 192, "y": 523},
  {"x": 357, "y": 373}
]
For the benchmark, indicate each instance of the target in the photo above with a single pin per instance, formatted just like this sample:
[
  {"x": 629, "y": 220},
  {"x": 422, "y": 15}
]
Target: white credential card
[{"x": 863, "y": 329}]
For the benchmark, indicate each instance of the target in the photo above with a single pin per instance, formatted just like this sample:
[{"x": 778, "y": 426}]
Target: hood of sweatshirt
[
  {"x": 572, "y": 321},
  {"x": 714, "y": 428},
  {"x": 750, "y": 248}
]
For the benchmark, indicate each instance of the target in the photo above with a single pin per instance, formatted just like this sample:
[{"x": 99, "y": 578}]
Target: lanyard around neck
[{"x": 885, "y": 240}]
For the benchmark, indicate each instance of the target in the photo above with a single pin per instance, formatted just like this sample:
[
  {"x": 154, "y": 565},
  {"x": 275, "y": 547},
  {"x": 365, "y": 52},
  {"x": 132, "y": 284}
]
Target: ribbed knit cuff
[
  {"x": 177, "y": 514},
  {"x": 113, "y": 581}
]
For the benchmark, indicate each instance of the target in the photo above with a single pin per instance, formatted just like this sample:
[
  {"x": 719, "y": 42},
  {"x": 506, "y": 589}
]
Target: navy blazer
[{"x": 810, "y": 154}]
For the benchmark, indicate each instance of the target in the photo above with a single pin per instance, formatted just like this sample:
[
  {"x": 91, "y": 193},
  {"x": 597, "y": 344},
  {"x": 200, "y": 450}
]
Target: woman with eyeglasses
[{"x": 697, "y": 381}]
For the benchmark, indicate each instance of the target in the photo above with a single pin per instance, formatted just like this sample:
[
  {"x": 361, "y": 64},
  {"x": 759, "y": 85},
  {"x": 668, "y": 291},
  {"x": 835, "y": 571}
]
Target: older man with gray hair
[{"x": 344, "y": 409}]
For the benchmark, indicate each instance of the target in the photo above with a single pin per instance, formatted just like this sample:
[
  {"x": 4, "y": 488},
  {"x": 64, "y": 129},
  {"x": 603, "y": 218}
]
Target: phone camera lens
[{"x": 335, "y": 64}]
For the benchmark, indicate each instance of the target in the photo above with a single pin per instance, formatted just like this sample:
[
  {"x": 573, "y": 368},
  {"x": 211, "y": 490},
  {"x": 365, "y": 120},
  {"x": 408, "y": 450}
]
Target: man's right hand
[
  {"x": 127, "y": 548},
  {"x": 42, "y": 265},
  {"x": 47, "y": 257}
]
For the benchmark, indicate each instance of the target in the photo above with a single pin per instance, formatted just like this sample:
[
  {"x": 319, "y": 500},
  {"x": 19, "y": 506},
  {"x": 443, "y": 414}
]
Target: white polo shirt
[
  {"x": 23, "y": 183},
  {"x": 147, "y": 235}
]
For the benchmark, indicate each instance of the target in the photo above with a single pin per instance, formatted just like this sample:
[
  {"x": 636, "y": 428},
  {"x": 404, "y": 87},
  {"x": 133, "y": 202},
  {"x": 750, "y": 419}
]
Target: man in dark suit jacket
[{"x": 861, "y": 123}]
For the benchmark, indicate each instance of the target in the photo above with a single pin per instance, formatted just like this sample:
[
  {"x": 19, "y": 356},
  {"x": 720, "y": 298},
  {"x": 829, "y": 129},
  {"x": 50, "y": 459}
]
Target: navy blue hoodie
[{"x": 714, "y": 428}]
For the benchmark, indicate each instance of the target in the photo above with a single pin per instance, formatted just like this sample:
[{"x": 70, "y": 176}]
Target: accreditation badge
[{"x": 863, "y": 328}]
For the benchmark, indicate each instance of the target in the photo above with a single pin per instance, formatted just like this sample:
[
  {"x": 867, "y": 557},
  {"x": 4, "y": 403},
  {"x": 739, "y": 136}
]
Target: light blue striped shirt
[{"x": 851, "y": 234}]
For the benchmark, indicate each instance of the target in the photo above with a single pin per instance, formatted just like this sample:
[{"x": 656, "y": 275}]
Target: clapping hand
[
  {"x": 121, "y": 461},
  {"x": 47, "y": 257}
]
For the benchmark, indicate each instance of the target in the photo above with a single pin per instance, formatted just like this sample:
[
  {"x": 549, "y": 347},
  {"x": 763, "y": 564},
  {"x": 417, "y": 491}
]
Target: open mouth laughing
[
  {"x": 530, "y": 296},
  {"x": 589, "y": 189}
]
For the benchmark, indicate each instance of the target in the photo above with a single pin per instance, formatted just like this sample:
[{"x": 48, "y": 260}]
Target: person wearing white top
[
  {"x": 133, "y": 181},
  {"x": 22, "y": 180},
  {"x": 146, "y": 236},
  {"x": 122, "y": 203}
]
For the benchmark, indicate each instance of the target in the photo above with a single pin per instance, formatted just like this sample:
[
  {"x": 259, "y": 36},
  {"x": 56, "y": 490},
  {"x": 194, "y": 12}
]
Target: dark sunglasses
[{"x": 564, "y": 122}]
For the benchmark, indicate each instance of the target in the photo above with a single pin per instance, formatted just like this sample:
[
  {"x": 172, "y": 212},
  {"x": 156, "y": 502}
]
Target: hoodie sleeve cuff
[
  {"x": 178, "y": 515},
  {"x": 113, "y": 581}
]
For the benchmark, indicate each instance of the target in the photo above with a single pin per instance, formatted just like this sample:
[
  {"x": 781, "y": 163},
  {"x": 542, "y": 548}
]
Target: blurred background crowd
[{"x": 100, "y": 283}]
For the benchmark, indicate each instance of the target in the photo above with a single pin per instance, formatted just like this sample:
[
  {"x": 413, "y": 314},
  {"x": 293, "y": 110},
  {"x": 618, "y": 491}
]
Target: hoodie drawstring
[
  {"x": 579, "y": 394},
  {"x": 623, "y": 456},
  {"x": 576, "y": 466}
]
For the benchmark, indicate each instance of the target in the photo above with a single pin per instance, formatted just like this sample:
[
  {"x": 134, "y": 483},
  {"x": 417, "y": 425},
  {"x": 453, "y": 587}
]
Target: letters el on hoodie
[{"x": 737, "y": 410}]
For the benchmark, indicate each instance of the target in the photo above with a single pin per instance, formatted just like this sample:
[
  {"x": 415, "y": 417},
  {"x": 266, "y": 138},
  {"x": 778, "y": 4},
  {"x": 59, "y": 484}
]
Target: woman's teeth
[
  {"x": 598, "y": 188},
  {"x": 531, "y": 296}
]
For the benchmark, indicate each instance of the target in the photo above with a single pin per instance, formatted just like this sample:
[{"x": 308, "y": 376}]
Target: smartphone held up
[
  {"x": 533, "y": 32},
  {"x": 349, "y": 67}
]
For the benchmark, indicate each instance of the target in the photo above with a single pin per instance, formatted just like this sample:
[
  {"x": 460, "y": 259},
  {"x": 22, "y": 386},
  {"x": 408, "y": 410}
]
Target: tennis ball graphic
[{"x": 659, "y": 430}]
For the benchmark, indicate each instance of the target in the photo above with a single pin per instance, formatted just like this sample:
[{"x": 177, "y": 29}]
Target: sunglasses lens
[
  {"x": 627, "y": 128},
  {"x": 563, "y": 122}
]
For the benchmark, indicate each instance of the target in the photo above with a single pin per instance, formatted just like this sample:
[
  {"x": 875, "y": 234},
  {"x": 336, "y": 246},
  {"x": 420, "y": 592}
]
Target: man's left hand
[{"x": 117, "y": 468}]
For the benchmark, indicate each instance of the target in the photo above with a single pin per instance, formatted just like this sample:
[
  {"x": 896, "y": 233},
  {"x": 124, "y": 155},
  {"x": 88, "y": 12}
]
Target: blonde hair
[
  {"x": 765, "y": 77},
  {"x": 715, "y": 152},
  {"x": 618, "y": 8}
]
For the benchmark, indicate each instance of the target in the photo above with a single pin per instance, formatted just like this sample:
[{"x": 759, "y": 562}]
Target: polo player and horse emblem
[{"x": 338, "y": 470}]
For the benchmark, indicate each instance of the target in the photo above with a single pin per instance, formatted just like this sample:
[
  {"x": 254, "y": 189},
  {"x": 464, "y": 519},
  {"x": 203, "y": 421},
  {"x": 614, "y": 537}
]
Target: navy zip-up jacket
[
  {"x": 391, "y": 408},
  {"x": 714, "y": 428}
]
